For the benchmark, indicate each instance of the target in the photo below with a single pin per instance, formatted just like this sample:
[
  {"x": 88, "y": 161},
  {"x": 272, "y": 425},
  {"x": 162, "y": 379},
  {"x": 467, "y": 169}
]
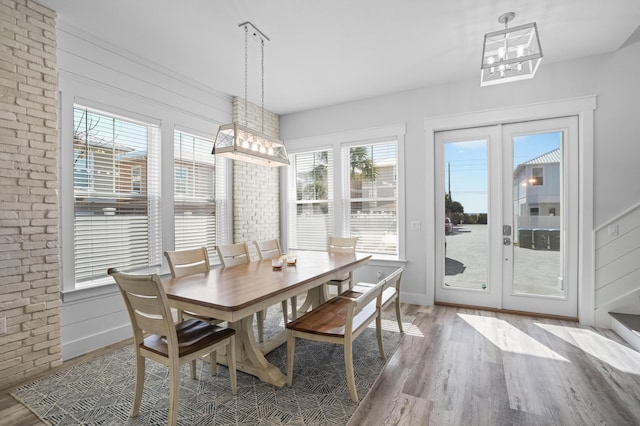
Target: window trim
[
  {"x": 134, "y": 109},
  {"x": 337, "y": 141},
  {"x": 346, "y": 185},
  {"x": 222, "y": 179},
  {"x": 152, "y": 194}
]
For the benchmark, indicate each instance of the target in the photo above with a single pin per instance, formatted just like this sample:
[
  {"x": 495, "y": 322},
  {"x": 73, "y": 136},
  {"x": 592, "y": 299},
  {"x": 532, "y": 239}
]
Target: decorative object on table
[
  {"x": 99, "y": 391},
  {"x": 510, "y": 54},
  {"x": 240, "y": 142}
]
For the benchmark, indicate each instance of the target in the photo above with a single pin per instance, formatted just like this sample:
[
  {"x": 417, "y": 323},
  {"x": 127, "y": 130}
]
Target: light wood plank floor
[{"x": 468, "y": 367}]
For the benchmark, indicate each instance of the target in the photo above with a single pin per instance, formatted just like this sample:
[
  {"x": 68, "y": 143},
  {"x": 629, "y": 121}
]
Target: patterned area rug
[{"x": 99, "y": 392}]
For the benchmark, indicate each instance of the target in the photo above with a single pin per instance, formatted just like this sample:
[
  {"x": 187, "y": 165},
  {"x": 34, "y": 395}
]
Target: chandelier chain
[
  {"x": 262, "y": 66},
  {"x": 246, "y": 48}
]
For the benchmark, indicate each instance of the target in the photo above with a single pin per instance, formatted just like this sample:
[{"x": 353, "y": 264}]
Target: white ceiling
[{"x": 325, "y": 52}]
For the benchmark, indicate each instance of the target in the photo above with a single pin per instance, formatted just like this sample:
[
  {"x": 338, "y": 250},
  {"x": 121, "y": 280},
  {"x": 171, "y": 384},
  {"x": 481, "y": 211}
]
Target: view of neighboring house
[{"x": 536, "y": 192}]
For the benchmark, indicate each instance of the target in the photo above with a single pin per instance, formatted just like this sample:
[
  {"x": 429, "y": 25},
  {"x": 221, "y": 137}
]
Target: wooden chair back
[
  {"x": 188, "y": 262},
  {"x": 233, "y": 254},
  {"x": 268, "y": 249},
  {"x": 342, "y": 244},
  {"x": 147, "y": 305}
]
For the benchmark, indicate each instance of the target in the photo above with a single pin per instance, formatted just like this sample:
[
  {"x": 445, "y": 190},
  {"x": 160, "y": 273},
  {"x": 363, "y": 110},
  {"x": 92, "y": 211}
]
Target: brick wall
[
  {"x": 29, "y": 259},
  {"x": 256, "y": 189}
]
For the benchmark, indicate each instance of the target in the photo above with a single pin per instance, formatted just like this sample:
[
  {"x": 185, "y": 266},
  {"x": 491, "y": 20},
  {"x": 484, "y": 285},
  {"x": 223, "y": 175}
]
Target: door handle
[{"x": 506, "y": 241}]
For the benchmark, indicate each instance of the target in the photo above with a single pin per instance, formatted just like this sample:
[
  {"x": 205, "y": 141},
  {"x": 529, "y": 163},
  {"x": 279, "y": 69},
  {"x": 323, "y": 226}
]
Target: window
[
  {"x": 311, "y": 200},
  {"x": 534, "y": 211},
  {"x": 195, "y": 208},
  {"x": 116, "y": 194},
  {"x": 536, "y": 176},
  {"x": 373, "y": 196},
  {"x": 366, "y": 200}
]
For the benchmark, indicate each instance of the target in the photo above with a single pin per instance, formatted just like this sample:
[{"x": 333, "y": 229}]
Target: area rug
[{"x": 99, "y": 392}]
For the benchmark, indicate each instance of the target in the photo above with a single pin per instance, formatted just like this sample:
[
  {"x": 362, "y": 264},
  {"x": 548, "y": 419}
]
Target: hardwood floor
[
  {"x": 461, "y": 366},
  {"x": 457, "y": 367}
]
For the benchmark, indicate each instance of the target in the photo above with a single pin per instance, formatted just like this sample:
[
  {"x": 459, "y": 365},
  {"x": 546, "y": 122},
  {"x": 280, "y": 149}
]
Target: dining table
[{"x": 234, "y": 294}]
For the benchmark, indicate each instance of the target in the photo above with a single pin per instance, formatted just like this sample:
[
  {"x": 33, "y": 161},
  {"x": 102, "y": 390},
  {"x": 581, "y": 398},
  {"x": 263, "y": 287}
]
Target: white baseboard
[
  {"x": 415, "y": 299},
  {"x": 95, "y": 341}
]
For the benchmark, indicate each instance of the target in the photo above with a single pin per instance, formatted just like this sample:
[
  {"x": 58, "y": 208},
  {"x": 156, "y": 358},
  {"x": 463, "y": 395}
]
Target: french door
[{"x": 507, "y": 202}]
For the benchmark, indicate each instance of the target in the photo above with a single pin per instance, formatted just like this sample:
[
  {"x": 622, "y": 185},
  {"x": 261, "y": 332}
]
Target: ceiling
[{"x": 326, "y": 52}]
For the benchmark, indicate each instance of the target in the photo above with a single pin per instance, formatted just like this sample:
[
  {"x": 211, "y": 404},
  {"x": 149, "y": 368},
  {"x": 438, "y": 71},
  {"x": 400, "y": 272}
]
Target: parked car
[{"x": 448, "y": 226}]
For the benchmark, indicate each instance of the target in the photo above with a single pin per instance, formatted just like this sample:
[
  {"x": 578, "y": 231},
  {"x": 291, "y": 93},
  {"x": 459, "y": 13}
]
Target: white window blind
[
  {"x": 116, "y": 182},
  {"x": 196, "y": 177},
  {"x": 372, "y": 194},
  {"x": 311, "y": 200}
]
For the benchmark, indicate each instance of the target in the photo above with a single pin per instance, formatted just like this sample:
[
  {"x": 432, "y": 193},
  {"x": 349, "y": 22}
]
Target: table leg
[
  {"x": 315, "y": 297},
  {"x": 249, "y": 357}
]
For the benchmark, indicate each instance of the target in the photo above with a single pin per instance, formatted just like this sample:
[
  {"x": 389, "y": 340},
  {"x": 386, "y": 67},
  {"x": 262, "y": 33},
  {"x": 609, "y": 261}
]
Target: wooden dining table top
[{"x": 239, "y": 287}]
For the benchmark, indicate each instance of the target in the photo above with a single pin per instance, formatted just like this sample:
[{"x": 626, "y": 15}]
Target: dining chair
[
  {"x": 189, "y": 262},
  {"x": 270, "y": 249},
  {"x": 157, "y": 337},
  {"x": 336, "y": 245},
  {"x": 342, "y": 245},
  {"x": 233, "y": 254},
  {"x": 238, "y": 254}
]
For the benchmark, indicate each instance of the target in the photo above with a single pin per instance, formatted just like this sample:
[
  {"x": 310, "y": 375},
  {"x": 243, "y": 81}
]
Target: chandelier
[
  {"x": 511, "y": 54},
  {"x": 240, "y": 142}
]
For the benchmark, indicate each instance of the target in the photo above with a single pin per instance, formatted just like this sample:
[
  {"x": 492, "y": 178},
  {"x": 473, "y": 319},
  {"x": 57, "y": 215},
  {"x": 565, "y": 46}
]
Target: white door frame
[
  {"x": 583, "y": 108},
  {"x": 492, "y": 296},
  {"x": 566, "y": 305}
]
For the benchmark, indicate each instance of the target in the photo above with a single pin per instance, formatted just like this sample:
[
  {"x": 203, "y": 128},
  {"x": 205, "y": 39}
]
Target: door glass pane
[
  {"x": 537, "y": 214},
  {"x": 466, "y": 200}
]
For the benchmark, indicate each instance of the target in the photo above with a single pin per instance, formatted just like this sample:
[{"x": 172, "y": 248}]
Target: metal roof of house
[{"x": 549, "y": 157}]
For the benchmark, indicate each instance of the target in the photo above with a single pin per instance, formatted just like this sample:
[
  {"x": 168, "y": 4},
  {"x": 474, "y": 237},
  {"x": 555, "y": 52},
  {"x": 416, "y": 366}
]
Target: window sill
[
  {"x": 103, "y": 287},
  {"x": 382, "y": 260}
]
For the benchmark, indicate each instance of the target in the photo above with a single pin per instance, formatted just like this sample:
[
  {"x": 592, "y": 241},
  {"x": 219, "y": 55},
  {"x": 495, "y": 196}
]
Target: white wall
[
  {"x": 103, "y": 76},
  {"x": 613, "y": 77}
]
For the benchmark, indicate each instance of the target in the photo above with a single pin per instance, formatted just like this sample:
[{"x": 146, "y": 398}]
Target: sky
[{"x": 467, "y": 162}]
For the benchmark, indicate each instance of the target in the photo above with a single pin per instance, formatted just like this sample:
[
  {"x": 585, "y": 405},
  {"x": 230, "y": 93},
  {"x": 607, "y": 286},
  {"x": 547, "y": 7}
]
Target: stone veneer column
[
  {"x": 29, "y": 258},
  {"x": 256, "y": 189}
]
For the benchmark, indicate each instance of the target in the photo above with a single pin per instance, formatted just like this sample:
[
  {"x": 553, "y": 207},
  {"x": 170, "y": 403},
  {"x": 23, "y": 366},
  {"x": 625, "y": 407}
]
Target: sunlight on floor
[
  {"x": 392, "y": 325},
  {"x": 508, "y": 338},
  {"x": 613, "y": 353}
]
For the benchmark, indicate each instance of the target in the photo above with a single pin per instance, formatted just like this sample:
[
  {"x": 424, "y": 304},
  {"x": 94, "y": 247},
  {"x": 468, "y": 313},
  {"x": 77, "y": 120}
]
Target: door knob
[{"x": 507, "y": 241}]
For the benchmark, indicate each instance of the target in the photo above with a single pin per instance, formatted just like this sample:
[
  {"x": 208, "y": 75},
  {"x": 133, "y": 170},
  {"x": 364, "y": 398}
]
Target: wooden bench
[
  {"x": 390, "y": 294},
  {"x": 341, "y": 319}
]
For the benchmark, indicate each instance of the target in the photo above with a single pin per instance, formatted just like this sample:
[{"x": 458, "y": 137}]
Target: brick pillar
[
  {"x": 256, "y": 189},
  {"x": 29, "y": 258}
]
